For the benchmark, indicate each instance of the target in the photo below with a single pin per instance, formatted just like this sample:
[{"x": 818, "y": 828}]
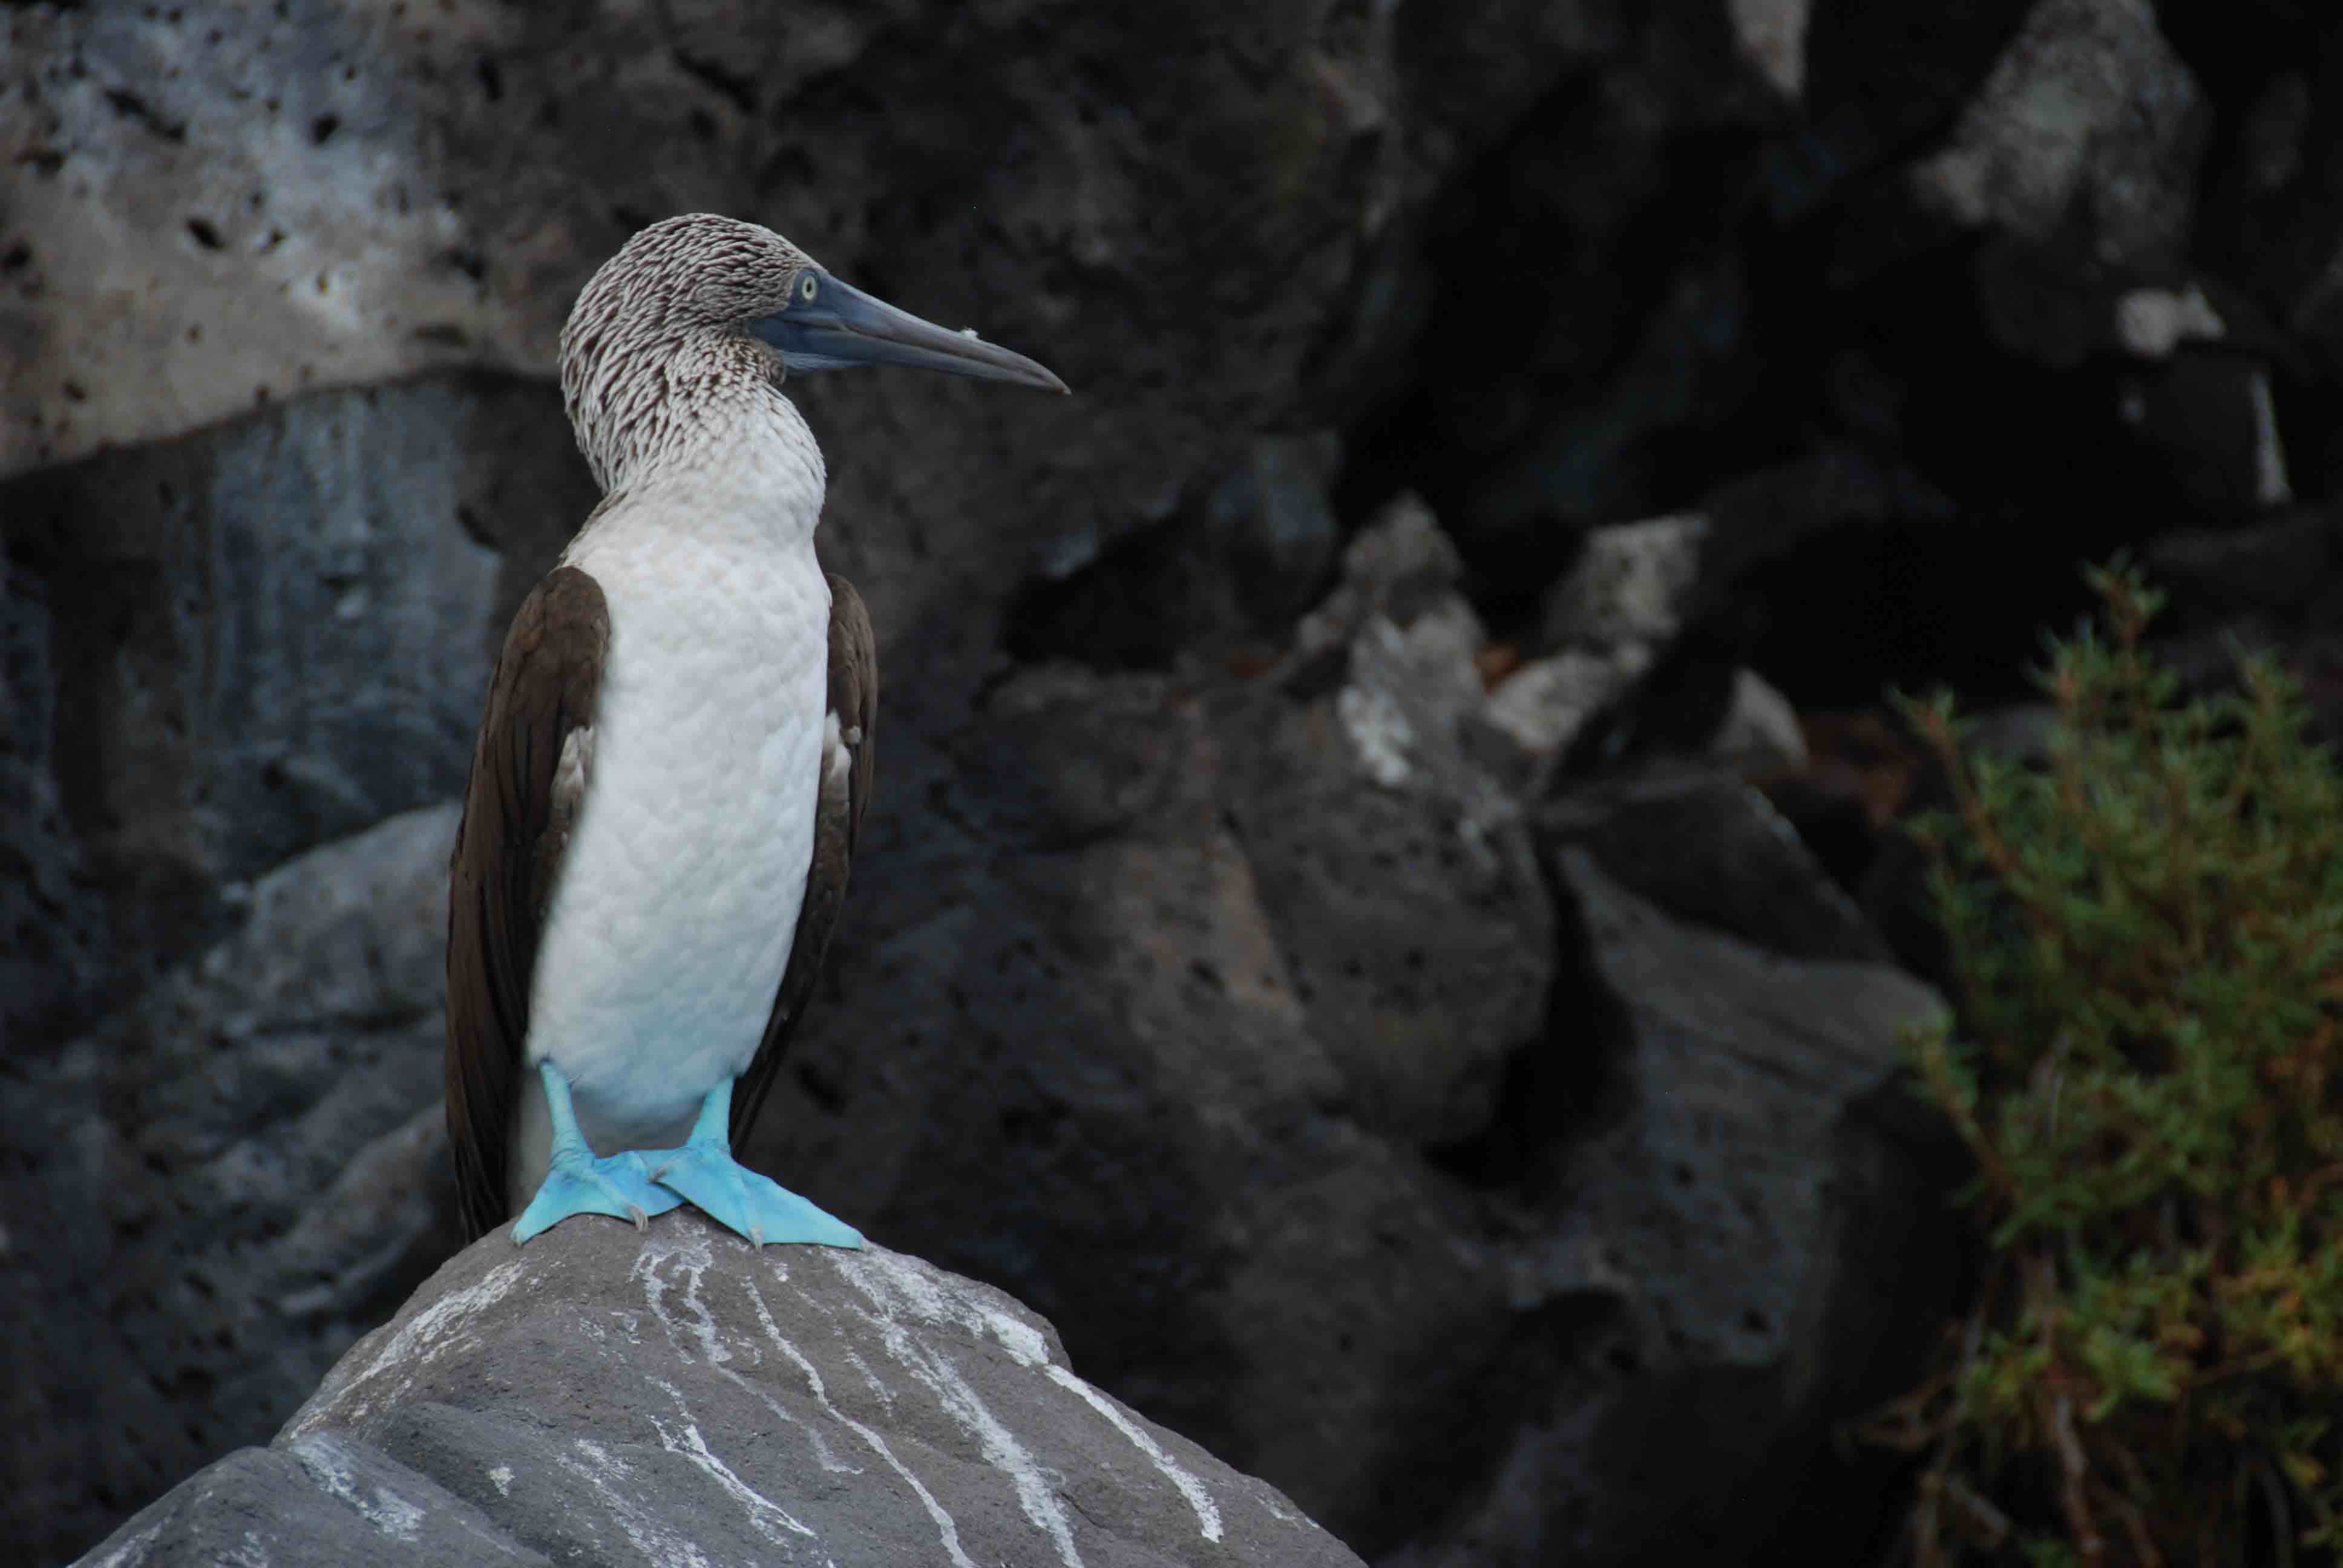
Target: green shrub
[{"x": 2146, "y": 934}]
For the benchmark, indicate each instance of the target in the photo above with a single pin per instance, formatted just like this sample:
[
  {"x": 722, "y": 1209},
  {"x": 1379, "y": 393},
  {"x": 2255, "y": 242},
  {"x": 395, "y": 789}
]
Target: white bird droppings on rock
[
  {"x": 430, "y": 1333},
  {"x": 1208, "y": 1512},
  {"x": 891, "y": 1283},
  {"x": 946, "y": 1528},
  {"x": 613, "y": 1479},
  {"x": 768, "y": 1518},
  {"x": 328, "y": 1466},
  {"x": 891, "y": 1279}
]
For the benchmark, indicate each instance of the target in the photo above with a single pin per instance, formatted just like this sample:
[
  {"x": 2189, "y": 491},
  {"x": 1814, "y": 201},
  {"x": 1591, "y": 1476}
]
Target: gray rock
[
  {"x": 1632, "y": 584},
  {"x": 1413, "y": 927},
  {"x": 240, "y": 645},
  {"x": 2150, "y": 323},
  {"x": 1760, "y": 733},
  {"x": 604, "y": 1397},
  {"x": 1396, "y": 641},
  {"x": 1773, "y": 35},
  {"x": 1707, "y": 847},
  {"x": 1321, "y": 1041},
  {"x": 236, "y": 1177},
  {"x": 2089, "y": 129},
  {"x": 1415, "y": 933},
  {"x": 1745, "y": 1184},
  {"x": 316, "y": 1501},
  {"x": 1271, "y": 517},
  {"x": 244, "y": 668},
  {"x": 1143, "y": 1020},
  {"x": 1399, "y": 564},
  {"x": 1541, "y": 708}
]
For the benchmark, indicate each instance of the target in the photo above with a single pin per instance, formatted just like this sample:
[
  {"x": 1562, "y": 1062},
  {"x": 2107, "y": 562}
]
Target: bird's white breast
[{"x": 676, "y": 899}]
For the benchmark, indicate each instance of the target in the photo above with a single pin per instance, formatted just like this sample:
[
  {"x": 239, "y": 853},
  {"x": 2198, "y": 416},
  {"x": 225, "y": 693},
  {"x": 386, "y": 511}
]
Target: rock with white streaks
[{"x": 676, "y": 1396}]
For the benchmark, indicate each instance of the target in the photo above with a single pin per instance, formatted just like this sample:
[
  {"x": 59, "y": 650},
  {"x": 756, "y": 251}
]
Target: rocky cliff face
[{"x": 1376, "y": 921}]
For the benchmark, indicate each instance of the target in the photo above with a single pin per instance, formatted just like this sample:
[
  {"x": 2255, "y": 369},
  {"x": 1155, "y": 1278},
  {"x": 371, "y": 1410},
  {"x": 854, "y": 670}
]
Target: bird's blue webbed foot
[
  {"x": 704, "y": 1172},
  {"x": 576, "y": 1182}
]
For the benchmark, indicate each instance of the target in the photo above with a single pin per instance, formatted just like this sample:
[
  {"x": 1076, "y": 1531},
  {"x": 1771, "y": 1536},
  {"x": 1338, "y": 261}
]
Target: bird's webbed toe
[
  {"x": 738, "y": 1198},
  {"x": 619, "y": 1185}
]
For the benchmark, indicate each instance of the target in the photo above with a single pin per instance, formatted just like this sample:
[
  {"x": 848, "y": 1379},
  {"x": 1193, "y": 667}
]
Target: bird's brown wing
[
  {"x": 529, "y": 773},
  {"x": 847, "y": 753}
]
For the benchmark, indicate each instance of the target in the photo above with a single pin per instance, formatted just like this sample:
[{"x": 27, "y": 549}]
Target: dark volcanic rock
[
  {"x": 1706, "y": 847},
  {"x": 235, "y": 1178},
  {"x": 1153, "y": 1009},
  {"x": 1746, "y": 1190},
  {"x": 1322, "y": 1038},
  {"x": 240, "y": 645},
  {"x": 604, "y": 1397}
]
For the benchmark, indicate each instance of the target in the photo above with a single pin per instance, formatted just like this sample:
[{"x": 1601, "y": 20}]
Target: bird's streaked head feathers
[
  {"x": 665, "y": 321},
  {"x": 700, "y": 315}
]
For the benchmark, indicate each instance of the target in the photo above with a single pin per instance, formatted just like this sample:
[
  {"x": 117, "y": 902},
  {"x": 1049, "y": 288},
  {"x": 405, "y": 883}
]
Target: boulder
[
  {"x": 605, "y": 1396},
  {"x": 1707, "y": 847},
  {"x": 2086, "y": 133},
  {"x": 1746, "y": 1189}
]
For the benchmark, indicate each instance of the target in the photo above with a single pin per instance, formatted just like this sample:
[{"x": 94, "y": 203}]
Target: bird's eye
[{"x": 806, "y": 288}]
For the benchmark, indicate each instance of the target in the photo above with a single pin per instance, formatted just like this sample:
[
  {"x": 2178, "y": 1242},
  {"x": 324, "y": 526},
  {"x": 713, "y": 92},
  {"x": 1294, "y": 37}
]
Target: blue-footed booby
[{"x": 677, "y": 751}]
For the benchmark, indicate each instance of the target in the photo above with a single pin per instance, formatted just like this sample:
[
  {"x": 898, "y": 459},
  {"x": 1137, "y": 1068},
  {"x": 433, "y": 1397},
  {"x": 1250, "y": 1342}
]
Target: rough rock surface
[
  {"x": 235, "y": 1178},
  {"x": 1741, "y": 1163},
  {"x": 676, "y": 1396},
  {"x": 1204, "y": 999},
  {"x": 2090, "y": 124},
  {"x": 237, "y": 646},
  {"x": 1216, "y": 979}
]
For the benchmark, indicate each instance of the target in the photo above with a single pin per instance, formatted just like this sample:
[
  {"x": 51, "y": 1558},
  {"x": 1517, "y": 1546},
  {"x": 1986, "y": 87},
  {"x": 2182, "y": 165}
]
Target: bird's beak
[{"x": 842, "y": 325}]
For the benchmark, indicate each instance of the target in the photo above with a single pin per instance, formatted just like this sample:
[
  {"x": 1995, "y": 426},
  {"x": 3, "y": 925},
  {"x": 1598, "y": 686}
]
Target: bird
[{"x": 675, "y": 751}]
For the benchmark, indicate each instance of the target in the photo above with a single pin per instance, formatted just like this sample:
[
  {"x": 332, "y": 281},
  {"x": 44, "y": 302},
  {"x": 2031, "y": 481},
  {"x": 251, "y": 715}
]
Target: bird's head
[{"x": 698, "y": 310}]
